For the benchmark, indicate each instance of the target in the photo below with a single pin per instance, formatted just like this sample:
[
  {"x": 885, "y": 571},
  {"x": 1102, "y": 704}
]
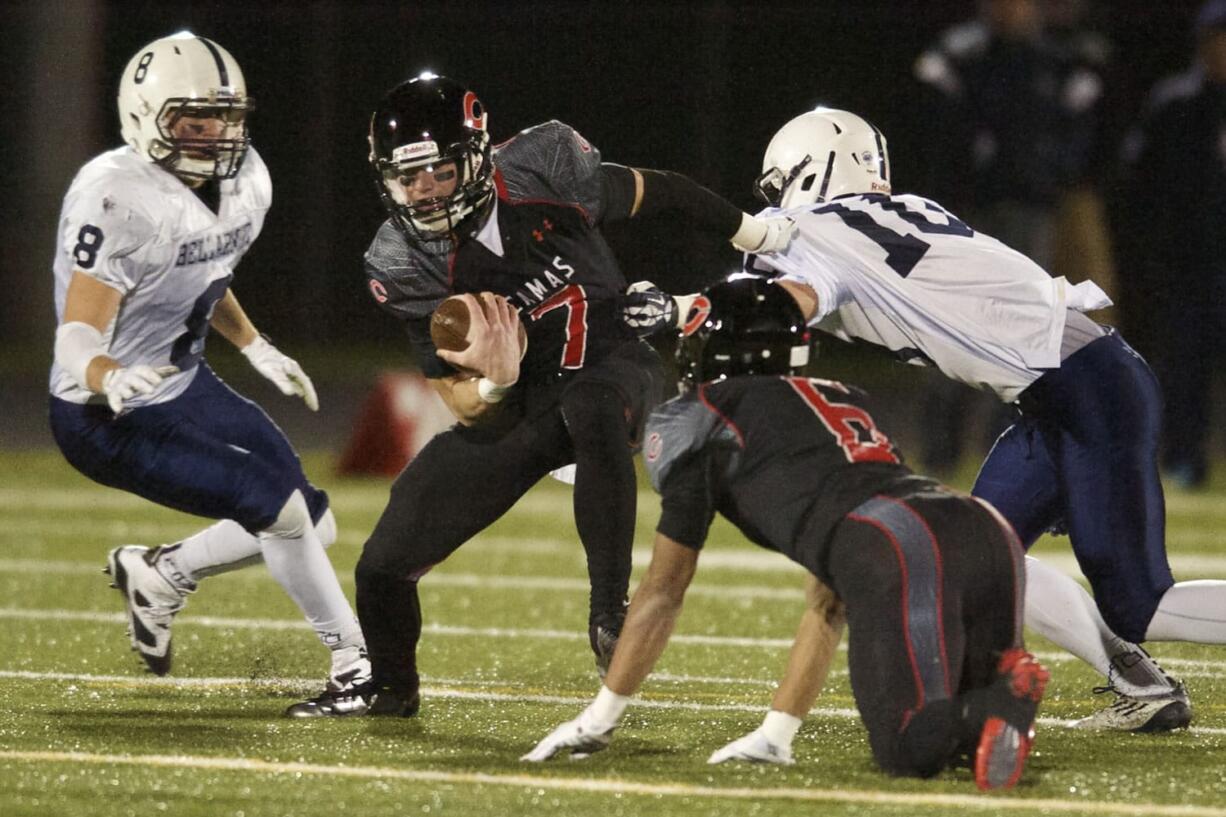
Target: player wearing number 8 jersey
[
  {"x": 148, "y": 241},
  {"x": 901, "y": 272}
]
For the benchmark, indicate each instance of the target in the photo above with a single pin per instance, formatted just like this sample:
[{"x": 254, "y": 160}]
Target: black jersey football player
[
  {"x": 930, "y": 580},
  {"x": 516, "y": 226}
]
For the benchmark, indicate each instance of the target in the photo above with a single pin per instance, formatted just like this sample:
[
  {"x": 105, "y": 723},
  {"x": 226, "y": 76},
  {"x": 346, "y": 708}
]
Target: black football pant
[
  {"x": 466, "y": 478},
  {"x": 934, "y": 586}
]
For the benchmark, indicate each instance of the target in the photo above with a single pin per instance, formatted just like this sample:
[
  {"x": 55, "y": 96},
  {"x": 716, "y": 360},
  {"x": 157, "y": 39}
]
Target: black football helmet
[
  {"x": 742, "y": 326},
  {"x": 425, "y": 123}
]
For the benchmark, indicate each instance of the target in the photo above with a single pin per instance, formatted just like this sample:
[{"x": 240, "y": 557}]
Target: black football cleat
[{"x": 389, "y": 703}]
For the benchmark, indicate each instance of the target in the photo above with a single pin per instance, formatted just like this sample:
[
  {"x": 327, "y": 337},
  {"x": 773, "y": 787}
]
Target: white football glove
[
  {"x": 755, "y": 747},
  {"x": 579, "y": 738},
  {"x": 126, "y": 382},
  {"x": 762, "y": 235},
  {"x": 282, "y": 370}
]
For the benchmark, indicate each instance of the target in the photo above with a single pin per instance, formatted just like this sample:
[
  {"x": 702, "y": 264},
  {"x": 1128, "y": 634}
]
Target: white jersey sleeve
[
  {"x": 903, "y": 273},
  {"x": 134, "y": 227}
]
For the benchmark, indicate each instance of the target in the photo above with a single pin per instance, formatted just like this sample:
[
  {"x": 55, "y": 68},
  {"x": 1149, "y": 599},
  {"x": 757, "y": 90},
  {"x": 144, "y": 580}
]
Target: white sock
[
  {"x": 220, "y": 548},
  {"x": 1191, "y": 611},
  {"x": 1060, "y": 609},
  {"x": 297, "y": 561}
]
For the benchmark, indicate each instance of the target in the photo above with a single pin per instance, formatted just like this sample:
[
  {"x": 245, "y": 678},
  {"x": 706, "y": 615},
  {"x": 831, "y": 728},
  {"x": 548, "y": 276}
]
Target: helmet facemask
[
  {"x": 821, "y": 155},
  {"x": 441, "y": 215},
  {"x": 195, "y": 153},
  {"x": 773, "y": 183}
]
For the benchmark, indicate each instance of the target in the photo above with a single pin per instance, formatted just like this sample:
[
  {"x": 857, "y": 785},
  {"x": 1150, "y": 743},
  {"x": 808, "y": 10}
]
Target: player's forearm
[
  {"x": 631, "y": 192},
  {"x": 645, "y": 633},
  {"x": 817, "y": 641},
  {"x": 232, "y": 323}
]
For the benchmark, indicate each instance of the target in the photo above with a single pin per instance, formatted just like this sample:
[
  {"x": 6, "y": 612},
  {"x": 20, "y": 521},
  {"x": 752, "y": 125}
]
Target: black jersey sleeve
[
  {"x": 552, "y": 162},
  {"x": 687, "y": 499},
  {"x": 409, "y": 282},
  {"x": 687, "y": 447},
  {"x": 663, "y": 191}
]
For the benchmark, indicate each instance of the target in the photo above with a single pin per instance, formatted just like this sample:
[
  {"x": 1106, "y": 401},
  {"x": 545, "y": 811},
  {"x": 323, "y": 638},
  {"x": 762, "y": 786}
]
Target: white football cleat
[
  {"x": 151, "y": 602},
  {"x": 348, "y": 691},
  {"x": 1163, "y": 712}
]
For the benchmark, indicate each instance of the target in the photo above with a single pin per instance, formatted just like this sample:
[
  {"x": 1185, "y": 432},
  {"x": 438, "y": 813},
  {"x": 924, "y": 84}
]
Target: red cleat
[{"x": 1008, "y": 731}]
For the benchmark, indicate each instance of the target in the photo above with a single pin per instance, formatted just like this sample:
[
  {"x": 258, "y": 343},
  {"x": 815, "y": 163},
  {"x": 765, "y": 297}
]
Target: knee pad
[
  {"x": 293, "y": 521},
  {"x": 325, "y": 528}
]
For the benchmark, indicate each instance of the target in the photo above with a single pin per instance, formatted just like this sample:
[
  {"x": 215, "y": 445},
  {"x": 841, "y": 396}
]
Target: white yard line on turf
[
  {"x": 453, "y": 688},
  {"x": 1191, "y": 668},
  {"x": 994, "y": 804}
]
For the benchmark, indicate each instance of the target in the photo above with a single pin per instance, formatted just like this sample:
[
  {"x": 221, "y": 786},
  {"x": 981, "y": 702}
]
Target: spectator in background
[
  {"x": 1013, "y": 115},
  {"x": 1172, "y": 239}
]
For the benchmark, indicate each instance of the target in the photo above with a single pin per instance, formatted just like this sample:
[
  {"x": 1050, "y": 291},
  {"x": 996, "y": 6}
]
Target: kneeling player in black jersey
[{"x": 930, "y": 580}]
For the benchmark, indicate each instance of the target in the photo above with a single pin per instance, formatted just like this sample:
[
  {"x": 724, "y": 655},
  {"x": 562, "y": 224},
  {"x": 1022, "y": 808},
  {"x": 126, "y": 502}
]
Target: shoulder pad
[
  {"x": 552, "y": 162},
  {"x": 403, "y": 279},
  {"x": 682, "y": 426}
]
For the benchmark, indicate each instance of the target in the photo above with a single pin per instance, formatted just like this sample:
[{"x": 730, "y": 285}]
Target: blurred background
[{"x": 696, "y": 87}]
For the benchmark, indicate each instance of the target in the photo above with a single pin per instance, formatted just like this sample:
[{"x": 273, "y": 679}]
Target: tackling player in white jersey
[{"x": 146, "y": 247}]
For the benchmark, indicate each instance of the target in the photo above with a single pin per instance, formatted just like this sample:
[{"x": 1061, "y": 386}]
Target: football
[{"x": 449, "y": 326}]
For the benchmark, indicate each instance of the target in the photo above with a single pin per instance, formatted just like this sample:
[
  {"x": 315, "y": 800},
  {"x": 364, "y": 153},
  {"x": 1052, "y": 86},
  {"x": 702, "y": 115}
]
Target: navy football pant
[
  {"x": 1083, "y": 458},
  {"x": 208, "y": 452},
  {"x": 933, "y": 585}
]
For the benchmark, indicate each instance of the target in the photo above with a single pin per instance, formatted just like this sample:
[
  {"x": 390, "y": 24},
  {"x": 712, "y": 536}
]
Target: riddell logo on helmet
[
  {"x": 415, "y": 151},
  {"x": 880, "y": 187}
]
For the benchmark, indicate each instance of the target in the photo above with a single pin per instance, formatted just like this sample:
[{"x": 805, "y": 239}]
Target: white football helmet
[
  {"x": 186, "y": 77},
  {"x": 822, "y": 154}
]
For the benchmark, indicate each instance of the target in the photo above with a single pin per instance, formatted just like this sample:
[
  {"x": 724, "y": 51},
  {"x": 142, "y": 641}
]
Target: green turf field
[{"x": 84, "y": 731}]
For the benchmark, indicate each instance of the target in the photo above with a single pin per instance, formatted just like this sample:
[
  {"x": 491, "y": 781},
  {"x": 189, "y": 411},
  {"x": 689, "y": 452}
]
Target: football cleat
[
  {"x": 347, "y": 692},
  {"x": 1008, "y": 729},
  {"x": 390, "y": 703},
  {"x": 1163, "y": 712},
  {"x": 603, "y": 641},
  {"x": 151, "y": 602},
  {"x": 602, "y": 633}
]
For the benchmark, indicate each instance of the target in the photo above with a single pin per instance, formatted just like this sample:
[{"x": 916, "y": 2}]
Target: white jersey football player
[
  {"x": 147, "y": 244},
  {"x": 901, "y": 272}
]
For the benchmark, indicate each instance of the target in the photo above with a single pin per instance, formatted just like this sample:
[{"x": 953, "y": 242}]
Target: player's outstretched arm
[
  {"x": 630, "y": 192},
  {"x": 817, "y": 640},
  {"x": 649, "y": 623}
]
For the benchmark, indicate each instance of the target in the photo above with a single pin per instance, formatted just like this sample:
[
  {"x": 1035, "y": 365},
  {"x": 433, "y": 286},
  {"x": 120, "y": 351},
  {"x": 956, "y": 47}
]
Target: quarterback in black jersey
[
  {"x": 930, "y": 580},
  {"x": 514, "y": 227}
]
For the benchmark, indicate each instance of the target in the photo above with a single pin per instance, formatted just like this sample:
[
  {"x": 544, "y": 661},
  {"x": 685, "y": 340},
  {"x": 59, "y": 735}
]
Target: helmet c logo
[
  {"x": 699, "y": 310},
  {"x": 474, "y": 111},
  {"x": 654, "y": 447}
]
